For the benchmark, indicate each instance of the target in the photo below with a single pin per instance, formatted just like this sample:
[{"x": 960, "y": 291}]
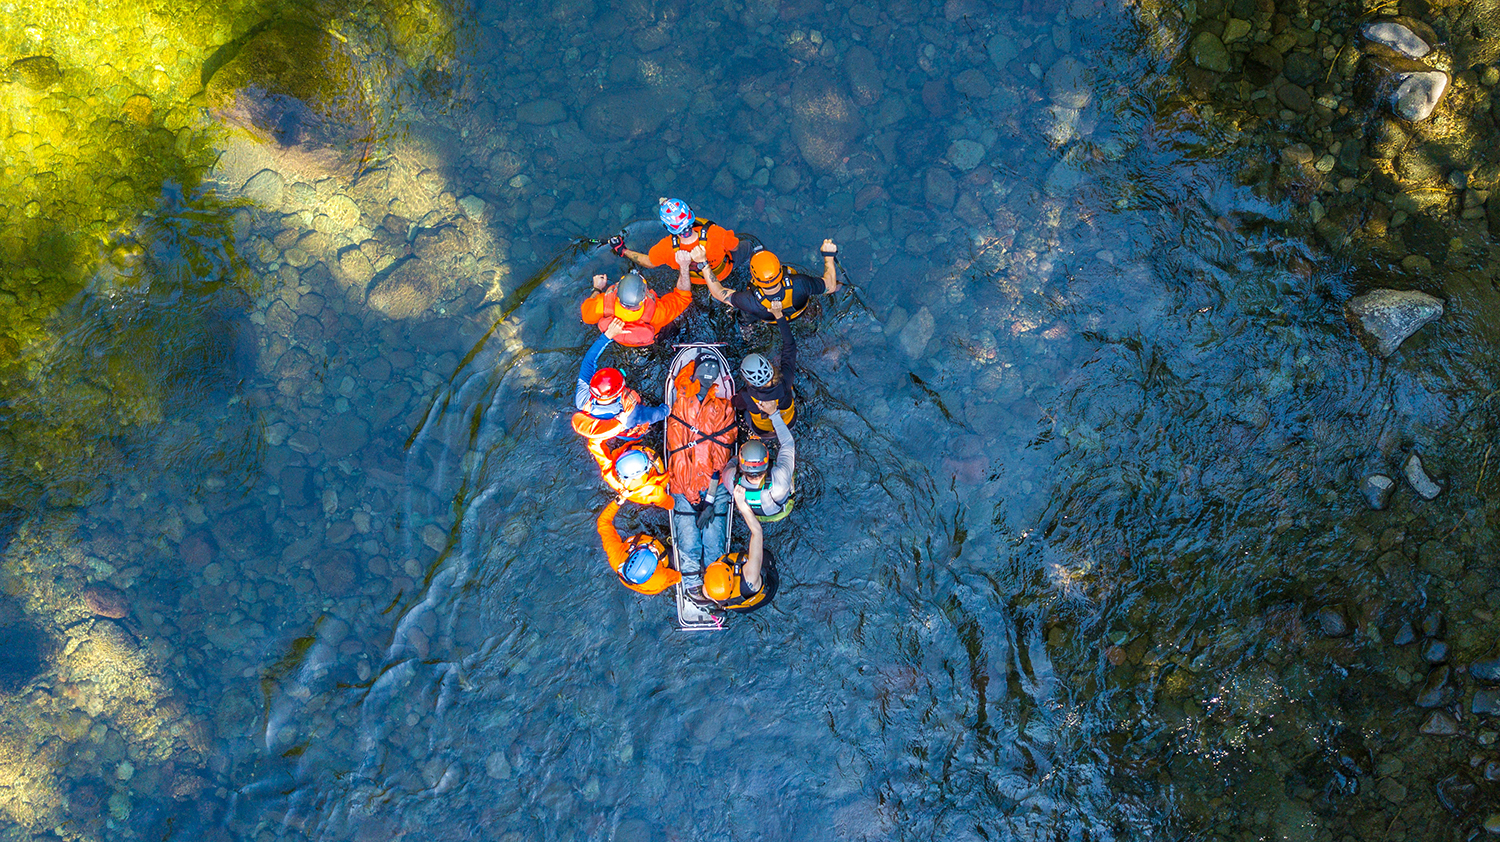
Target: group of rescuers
[{"x": 701, "y": 475}]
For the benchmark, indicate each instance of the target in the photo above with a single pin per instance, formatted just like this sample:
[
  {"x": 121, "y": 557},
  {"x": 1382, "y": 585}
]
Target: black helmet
[
  {"x": 754, "y": 458},
  {"x": 631, "y": 290},
  {"x": 707, "y": 370}
]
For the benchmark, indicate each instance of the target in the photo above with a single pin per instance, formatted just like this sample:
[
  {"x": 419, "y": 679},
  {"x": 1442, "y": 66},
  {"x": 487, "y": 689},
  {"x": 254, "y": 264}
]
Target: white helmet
[{"x": 757, "y": 370}]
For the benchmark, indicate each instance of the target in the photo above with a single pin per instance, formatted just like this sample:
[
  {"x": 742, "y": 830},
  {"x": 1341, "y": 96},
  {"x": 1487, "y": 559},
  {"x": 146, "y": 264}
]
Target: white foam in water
[
  {"x": 1418, "y": 93},
  {"x": 1397, "y": 37}
]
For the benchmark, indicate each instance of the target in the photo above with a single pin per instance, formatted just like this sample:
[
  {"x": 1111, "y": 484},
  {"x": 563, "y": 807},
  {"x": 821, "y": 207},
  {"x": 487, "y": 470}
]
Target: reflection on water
[{"x": 1079, "y": 553}]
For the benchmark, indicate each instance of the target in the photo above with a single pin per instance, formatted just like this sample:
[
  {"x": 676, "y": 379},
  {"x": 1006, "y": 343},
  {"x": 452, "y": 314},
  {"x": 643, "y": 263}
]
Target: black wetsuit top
[
  {"x": 781, "y": 389},
  {"x": 804, "y": 287},
  {"x": 768, "y": 582}
]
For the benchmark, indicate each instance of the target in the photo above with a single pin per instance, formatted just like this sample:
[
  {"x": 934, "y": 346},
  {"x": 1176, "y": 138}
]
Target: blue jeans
[{"x": 696, "y": 548}]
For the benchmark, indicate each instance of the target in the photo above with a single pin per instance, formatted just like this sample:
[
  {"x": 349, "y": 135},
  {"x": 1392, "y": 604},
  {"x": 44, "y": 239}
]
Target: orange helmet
[
  {"x": 718, "y": 581},
  {"x": 766, "y": 270}
]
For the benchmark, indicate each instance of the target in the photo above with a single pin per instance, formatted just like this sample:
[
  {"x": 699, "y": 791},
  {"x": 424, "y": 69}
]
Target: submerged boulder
[
  {"x": 825, "y": 120},
  {"x": 1417, "y": 94},
  {"x": 1377, "y": 490},
  {"x": 1384, "y": 318},
  {"x": 1411, "y": 89},
  {"x": 1417, "y": 476},
  {"x": 294, "y": 90},
  {"x": 1409, "y": 37}
]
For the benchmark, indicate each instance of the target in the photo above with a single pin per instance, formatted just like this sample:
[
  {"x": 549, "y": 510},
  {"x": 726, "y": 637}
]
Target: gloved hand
[
  {"x": 705, "y": 516},
  {"x": 617, "y": 244}
]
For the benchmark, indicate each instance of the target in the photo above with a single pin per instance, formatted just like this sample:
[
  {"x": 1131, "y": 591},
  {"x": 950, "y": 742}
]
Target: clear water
[{"x": 1055, "y": 570}]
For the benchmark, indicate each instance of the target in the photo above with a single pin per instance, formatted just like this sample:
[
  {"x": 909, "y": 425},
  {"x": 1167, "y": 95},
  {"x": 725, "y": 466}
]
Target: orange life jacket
[
  {"x": 602, "y": 429},
  {"x": 700, "y": 435},
  {"x": 725, "y": 266},
  {"x": 651, "y": 492},
  {"x": 638, "y": 331}
]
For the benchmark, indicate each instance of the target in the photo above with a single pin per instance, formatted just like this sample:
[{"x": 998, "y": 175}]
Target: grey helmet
[
  {"x": 757, "y": 370},
  {"x": 631, "y": 290}
]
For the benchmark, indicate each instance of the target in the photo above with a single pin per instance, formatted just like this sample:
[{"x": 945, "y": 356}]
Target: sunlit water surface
[{"x": 1079, "y": 450}]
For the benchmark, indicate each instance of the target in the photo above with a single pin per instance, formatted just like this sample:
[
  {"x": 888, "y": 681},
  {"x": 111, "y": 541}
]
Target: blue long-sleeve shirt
[{"x": 583, "y": 396}]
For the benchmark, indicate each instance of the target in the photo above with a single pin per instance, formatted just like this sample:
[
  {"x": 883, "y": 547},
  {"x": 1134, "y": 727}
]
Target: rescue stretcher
[{"x": 692, "y": 616}]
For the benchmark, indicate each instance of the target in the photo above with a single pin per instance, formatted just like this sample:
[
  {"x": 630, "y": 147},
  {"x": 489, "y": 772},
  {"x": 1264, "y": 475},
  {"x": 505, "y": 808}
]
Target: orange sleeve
[
  {"x": 670, "y": 306},
  {"x": 687, "y": 387},
  {"x": 725, "y": 242},
  {"x": 592, "y": 309},
  {"x": 662, "y": 254},
  {"x": 614, "y": 548}
]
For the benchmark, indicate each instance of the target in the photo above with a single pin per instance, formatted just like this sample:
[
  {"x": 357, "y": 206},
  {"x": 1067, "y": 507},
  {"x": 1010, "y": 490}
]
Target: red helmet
[{"x": 607, "y": 385}]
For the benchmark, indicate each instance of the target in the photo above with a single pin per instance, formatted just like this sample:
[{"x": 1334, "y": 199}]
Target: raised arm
[
  {"x": 785, "y": 469},
  {"x": 684, "y": 277},
  {"x": 788, "y": 353},
  {"x": 830, "y": 270},
  {"x": 614, "y": 548},
  {"x": 715, "y": 289},
  {"x": 756, "y": 549},
  {"x": 586, "y": 369}
]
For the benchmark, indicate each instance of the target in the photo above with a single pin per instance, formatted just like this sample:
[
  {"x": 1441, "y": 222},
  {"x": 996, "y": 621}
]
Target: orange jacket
[
  {"x": 655, "y": 313},
  {"x": 652, "y": 492},
  {"x": 616, "y": 551},
  {"x": 718, "y": 246},
  {"x": 700, "y": 434}
]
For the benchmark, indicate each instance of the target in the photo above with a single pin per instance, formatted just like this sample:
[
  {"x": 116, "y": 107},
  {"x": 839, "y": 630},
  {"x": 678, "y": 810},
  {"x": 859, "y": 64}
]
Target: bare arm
[
  {"x": 715, "y": 289},
  {"x": 755, "y": 552},
  {"x": 638, "y": 258},
  {"x": 830, "y": 270},
  {"x": 684, "y": 279}
]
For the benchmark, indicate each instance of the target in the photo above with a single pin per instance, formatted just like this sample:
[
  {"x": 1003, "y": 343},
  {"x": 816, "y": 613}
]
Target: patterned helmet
[
  {"x": 675, "y": 215},
  {"x": 754, "y": 458},
  {"x": 757, "y": 370}
]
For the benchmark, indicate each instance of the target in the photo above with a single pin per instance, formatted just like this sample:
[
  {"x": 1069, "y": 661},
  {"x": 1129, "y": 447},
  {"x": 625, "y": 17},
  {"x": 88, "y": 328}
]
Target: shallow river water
[{"x": 302, "y": 544}]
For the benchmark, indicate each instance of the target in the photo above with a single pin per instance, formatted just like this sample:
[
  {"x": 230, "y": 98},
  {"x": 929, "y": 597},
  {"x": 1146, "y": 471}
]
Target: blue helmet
[
  {"x": 676, "y": 215},
  {"x": 641, "y": 564},
  {"x": 632, "y": 465}
]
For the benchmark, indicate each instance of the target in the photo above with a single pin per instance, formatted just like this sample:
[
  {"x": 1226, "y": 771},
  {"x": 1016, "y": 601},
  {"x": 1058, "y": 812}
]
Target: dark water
[{"x": 1080, "y": 444}]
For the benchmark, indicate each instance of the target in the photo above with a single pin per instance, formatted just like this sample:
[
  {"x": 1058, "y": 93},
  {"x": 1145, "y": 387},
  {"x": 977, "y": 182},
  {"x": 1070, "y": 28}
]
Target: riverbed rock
[
  {"x": 965, "y": 154},
  {"x": 1416, "y": 475},
  {"x": 866, "y": 80},
  {"x": 541, "y": 112},
  {"x": 1331, "y": 622},
  {"x": 1405, "y": 634},
  {"x": 1417, "y": 94},
  {"x": 1384, "y": 318},
  {"x": 1406, "y": 36},
  {"x": 1435, "y": 652},
  {"x": 1440, "y": 723},
  {"x": 105, "y": 601},
  {"x": 296, "y": 91},
  {"x": 1377, "y": 490},
  {"x": 917, "y": 332},
  {"x": 1068, "y": 84},
  {"x": 1209, "y": 53},
  {"x": 1486, "y": 670},
  {"x": 35, "y": 72},
  {"x": 825, "y": 121},
  {"x": 629, "y": 114},
  {"x": 1487, "y": 701},
  {"x": 406, "y": 291}
]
